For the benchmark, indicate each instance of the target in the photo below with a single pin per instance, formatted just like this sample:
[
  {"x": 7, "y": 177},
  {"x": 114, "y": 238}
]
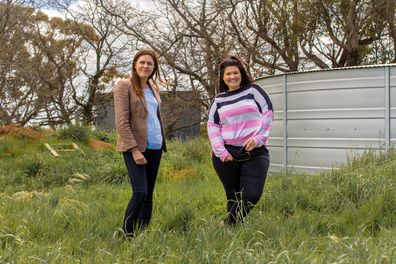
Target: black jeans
[
  {"x": 243, "y": 181},
  {"x": 142, "y": 178}
]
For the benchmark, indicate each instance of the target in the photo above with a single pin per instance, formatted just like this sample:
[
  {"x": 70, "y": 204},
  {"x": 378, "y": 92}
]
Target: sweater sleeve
[
  {"x": 214, "y": 133},
  {"x": 267, "y": 114}
]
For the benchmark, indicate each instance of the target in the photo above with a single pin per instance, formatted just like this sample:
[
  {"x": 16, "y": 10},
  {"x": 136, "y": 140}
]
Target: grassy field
[{"x": 69, "y": 209}]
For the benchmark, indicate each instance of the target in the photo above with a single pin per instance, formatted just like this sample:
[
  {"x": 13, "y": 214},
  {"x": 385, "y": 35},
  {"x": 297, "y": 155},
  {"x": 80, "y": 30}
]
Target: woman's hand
[
  {"x": 138, "y": 156},
  {"x": 249, "y": 144},
  {"x": 228, "y": 158}
]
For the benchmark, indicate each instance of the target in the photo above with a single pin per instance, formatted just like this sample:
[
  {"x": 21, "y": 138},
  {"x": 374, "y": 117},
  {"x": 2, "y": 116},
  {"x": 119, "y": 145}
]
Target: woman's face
[
  {"x": 144, "y": 66},
  {"x": 232, "y": 77}
]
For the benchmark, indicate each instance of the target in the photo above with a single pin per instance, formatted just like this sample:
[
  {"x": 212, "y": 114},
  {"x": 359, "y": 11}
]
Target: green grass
[{"x": 70, "y": 209}]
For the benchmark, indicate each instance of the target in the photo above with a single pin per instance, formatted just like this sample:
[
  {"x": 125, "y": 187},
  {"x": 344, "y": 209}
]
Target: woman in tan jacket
[{"x": 140, "y": 135}]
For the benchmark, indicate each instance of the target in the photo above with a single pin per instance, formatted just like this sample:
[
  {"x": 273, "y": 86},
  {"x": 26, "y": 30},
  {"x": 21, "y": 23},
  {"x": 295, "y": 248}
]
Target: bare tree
[{"x": 190, "y": 36}]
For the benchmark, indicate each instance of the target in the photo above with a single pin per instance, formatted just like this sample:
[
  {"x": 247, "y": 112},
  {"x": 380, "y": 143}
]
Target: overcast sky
[{"x": 139, "y": 4}]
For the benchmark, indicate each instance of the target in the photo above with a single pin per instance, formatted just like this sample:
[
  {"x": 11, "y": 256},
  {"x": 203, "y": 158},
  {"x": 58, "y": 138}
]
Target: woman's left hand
[{"x": 249, "y": 144}]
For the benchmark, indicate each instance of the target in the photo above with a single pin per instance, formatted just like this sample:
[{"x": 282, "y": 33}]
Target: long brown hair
[
  {"x": 232, "y": 61},
  {"x": 155, "y": 75}
]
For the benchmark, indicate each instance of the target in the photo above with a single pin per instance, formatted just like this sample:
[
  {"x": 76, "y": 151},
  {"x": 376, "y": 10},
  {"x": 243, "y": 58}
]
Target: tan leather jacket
[{"x": 131, "y": 117}]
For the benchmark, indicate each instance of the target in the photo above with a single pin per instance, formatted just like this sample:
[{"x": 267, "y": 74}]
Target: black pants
[
  {"x": 243, "y": 181},
  {"x": 142, "y": 178}
]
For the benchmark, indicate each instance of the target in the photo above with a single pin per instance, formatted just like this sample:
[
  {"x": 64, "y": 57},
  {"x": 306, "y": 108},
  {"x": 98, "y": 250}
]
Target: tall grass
[
  {"x": 70, "y": 209},
  {"x": 75, "y": 132}
]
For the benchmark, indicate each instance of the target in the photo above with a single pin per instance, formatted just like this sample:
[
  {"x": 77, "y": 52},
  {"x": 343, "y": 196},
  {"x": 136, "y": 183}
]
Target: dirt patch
[
  {"x": 19, "y": 132},
  {"x": 100, "y": 145}
]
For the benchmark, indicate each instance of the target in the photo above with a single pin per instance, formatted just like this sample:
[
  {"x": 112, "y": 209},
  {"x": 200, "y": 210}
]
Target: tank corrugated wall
[{"x": 322, "y": 118}]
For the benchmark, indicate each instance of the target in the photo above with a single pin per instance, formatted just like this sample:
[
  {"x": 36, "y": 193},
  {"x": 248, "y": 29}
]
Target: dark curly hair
[{"x": 232, "y": 61}]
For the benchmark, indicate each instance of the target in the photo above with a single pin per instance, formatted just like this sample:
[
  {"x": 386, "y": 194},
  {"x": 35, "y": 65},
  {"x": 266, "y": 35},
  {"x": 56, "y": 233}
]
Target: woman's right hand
[
  {"x": 228, "y": 158},
  {"x": 138, "y": 156}
]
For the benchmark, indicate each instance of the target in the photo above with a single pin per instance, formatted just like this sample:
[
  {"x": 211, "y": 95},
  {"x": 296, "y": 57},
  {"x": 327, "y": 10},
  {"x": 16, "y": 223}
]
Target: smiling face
[
  {"x": 232, "y": 77},
  {"x": 144, "y": 67}
]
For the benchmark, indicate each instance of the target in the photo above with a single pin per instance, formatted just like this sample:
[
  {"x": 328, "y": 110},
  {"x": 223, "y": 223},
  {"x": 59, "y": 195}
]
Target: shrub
[
  {"x": 109, "y": 137},
  {"x": 75, "y": 132},
  {"x": 33, "y": 168}
]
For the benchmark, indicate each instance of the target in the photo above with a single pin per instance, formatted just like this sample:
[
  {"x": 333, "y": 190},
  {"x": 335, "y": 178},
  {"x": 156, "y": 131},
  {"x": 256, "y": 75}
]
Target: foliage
[
  {"x": 37, "y": 64},
  {"x": 44, "y": 58}
]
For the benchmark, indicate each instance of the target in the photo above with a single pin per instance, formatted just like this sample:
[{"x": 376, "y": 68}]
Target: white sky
[
  {"x": 138, "y": 4},
  {"x": 52, "y": 13}
]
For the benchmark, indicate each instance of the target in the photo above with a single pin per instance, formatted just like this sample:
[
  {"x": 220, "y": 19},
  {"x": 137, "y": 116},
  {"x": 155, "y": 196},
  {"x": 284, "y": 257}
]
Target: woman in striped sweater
[{"x": 239, "y": 122}]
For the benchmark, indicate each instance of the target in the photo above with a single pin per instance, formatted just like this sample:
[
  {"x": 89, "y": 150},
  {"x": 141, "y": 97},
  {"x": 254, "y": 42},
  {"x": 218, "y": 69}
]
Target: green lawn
[{"x": 70, "y": 210}]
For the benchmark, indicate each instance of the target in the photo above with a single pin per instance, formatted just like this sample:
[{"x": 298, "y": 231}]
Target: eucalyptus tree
[
  {"x": 55, "y": 45},
  {"x": 7, "y": 9},
  {"x": 344, "y": 33},
  {"x": 14, "y": 90},
  {"x": 38, "y": 64},
  {"x": 268, "y": 32},
  {"x": 20, "y": 91},
  {"x": 386, "y": 9},
  {"x": 105, "y": 53}
]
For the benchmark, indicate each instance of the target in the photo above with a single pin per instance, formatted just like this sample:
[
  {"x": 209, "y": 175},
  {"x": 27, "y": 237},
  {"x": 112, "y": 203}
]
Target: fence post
[
  {"x": 387, "y": 120},
  {"x": 285, "y": 148}
]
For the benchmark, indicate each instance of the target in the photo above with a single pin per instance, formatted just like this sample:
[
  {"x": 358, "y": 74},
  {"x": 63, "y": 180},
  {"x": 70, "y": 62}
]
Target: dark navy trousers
[
  {"x": 243, "y": 181},
  {"x": 142, "y": 178}
]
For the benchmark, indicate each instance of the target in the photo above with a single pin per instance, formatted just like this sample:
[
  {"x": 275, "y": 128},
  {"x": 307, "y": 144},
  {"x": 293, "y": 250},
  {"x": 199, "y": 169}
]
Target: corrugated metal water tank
[{"x": 322, "y": 118}]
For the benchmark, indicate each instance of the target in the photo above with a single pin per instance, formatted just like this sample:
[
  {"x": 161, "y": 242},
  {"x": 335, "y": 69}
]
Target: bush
[
  {"x": 76, "y": 133},
  {"x": 33, "y": 168},
  {"x": 109, "y": 137}
]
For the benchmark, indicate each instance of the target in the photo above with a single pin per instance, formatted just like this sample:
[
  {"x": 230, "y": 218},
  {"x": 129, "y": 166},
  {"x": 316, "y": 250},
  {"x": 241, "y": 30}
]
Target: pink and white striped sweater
[{"x": 238, "y": 115}]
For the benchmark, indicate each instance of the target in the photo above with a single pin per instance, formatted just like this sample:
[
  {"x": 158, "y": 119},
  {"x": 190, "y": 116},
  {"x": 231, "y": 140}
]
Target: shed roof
[{"x": 330, "y": 69}]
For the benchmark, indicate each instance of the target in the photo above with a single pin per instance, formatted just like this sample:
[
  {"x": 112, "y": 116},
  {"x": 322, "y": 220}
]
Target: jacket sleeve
[
  {"x": 123, "y": 115},
  {"x": 214, "y": 133}
]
